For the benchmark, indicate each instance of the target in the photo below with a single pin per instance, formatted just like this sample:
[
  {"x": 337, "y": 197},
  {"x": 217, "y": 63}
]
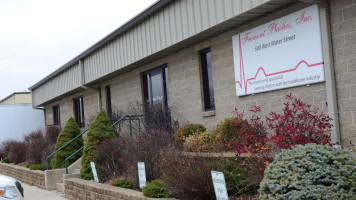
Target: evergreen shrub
[
  {"x": 99, "y": 130},
  {"x": 123, "y": 183},
  {"x": 36, "y": 166},
  {"x": 5, "y": 160},
  {"x": 155, "y": 189},
  {"x": 70, "y": 131},
  {"x": 187, "y": 130},
  {"x": 310, "y": 172}
]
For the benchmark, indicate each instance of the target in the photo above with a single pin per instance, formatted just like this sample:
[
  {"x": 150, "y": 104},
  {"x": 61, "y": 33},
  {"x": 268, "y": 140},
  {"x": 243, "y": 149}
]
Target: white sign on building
[
  {"x": 219, "y": 185},
  {"x": 283, "y": 53}
]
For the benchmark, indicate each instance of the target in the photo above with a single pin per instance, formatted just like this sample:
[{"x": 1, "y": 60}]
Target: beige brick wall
[
  {"x": 343, "y": 26},
  {"x": 66, "y": 106},
  {"x": 32, "y": 177},
  {"x": 78, "y": 189}
]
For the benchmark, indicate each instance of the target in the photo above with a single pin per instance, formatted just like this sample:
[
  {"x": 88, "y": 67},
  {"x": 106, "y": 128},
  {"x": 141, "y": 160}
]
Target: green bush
[
  {"x": 187, "y": 130},
  {"x": 310, "y": 172},
  {"x": 70, "y": 131},
  {"x": 36, "y": 167},
  {"x": 5, "y": 160},
  {"x": 155, "y": 189},
  {"x": 236, "y": 178},
  {"x": 99, "y": 130},
  {"x": 199, "y": 142},
  {"x": 226, "y": 132},
  {"x": 123, "y": 183}
]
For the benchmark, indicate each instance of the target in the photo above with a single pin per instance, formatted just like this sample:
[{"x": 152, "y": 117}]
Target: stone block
[
  {"x": 349, "y": 12},
  {"x": 344, "y": 27},
  {"x": 347, "y": 79},
  {"x": 338, "y": 41},
  {"x": 339, "y": 4},
  {"x": 346, "y": 53},
  {"x": 348, "y": 105},
  {"x": 343, "y": 92}
]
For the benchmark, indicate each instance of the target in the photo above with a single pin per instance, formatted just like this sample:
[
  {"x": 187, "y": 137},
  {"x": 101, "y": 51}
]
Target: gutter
[{"x": 324, "y": 10}]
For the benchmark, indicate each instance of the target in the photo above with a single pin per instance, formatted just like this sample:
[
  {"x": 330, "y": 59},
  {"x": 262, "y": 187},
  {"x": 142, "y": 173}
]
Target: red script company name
[{"x": 275, "y": 28}]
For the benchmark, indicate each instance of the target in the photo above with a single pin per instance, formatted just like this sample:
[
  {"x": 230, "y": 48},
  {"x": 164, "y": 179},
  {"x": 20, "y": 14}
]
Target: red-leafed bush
[
  {"x": 251, "y": 134},
  {"x": 299, "y": 124}
]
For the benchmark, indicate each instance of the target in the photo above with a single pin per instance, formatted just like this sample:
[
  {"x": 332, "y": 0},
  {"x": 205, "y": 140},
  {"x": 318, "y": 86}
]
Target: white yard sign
[
  {"x": 141, "y": 174},
  {"x": 284, "y": 53},
  {"x": 96, "y": 179},
  {"x": 219, "y": 185}
]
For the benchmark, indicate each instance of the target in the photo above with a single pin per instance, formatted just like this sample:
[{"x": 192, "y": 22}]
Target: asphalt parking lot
[{"x": 35, "y": 193}]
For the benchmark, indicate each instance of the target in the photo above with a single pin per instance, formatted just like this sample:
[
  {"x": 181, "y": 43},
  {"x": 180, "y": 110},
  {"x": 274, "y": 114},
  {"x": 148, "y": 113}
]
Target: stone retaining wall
[
  {"x": 32, "y": 177},
  {"x": 78, "y": 189}
]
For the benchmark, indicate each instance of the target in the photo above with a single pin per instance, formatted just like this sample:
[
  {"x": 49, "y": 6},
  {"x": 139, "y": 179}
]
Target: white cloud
[{"x": 39, "y": 36}]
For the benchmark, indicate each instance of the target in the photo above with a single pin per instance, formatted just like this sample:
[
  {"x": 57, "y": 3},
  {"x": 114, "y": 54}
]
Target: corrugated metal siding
[
  {"x": 61, "y": 84},
  {"x": 177, "y": 22}
]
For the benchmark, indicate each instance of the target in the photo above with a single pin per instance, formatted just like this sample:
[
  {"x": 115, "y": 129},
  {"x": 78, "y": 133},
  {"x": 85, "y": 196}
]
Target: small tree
[
  {"x": 99, "y": 130},
  {"x": 70, "y": 131}
]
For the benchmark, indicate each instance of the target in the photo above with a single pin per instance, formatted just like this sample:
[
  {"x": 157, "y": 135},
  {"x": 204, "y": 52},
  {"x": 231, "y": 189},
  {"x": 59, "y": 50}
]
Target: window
[
  {"x": 207, "y": 76},
  {"x": 108, "y": 100},
  {"x": 155, "y": 86},
  {"x": 79, "y": 111},
  {"x": 56, "y": 115}
]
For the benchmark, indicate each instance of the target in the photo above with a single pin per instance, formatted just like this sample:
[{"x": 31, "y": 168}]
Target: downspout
[
  {"x": 82, "y": 80},
  {"x": 331, "y": 97}
]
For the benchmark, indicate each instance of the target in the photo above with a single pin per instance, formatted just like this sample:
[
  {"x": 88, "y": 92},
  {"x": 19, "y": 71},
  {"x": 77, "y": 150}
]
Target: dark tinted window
[
  {"x": 207, "y": 75},
  {"x": 56, "y": 115},
  {"x": 108, "y": 101},
  {"x": 79, "y": 111}
]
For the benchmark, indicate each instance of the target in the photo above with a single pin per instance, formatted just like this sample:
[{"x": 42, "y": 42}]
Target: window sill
[{"x": 209, "y": 113}]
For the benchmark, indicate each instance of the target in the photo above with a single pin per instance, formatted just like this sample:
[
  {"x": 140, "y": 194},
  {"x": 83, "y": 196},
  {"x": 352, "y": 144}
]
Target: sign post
[
  {"x": 141, "y": 174},
  {"x": 219, "y": 185},
  {"x": 96, "y": 179}
]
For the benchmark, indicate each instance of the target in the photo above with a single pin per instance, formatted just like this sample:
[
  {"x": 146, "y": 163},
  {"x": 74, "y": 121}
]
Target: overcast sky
[{"x": 39, "y": 36}]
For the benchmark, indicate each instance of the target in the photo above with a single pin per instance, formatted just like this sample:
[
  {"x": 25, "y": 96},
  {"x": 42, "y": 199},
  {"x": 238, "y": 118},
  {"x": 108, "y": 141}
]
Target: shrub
[
  {"x": 143, "y": 147},
  {"x": 189, "y": 129},
  {"x": 299, "y": 124},
  {"x": 237, "y": 178},
  {"x": 251, "y": 134},
  {"x": 5, "y": 160},
  {"x": 123, "y": 183},
  {"x": 310, "y": 172},
  {"x": 17, "y": 152},
  {"x": 36, "y": 167},
  {"x": 108, "y": 158},
  {"x": 188, "y": 176},
  {"x": 202, "y": 141},
  {"x": 35, "y": 145},
  {"x": 99, "y": 130},
  {"x": 70, "y": 131},
  {"x": 6, "y": 147},
  {"x": 155, "y": 189},
  {"x": 226, "y": 133}
]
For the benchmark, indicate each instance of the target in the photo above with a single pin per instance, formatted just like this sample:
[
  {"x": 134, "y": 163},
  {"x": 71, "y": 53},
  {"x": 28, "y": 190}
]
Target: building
[
  {"x": 193, "y": 55},
  {"x": 17, "y": 98},
  {"x": 17, "y": 117}
]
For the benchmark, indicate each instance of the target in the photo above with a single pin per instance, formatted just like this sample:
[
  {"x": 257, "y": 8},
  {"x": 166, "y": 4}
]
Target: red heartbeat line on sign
[{"x": 243, "y": 81}]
